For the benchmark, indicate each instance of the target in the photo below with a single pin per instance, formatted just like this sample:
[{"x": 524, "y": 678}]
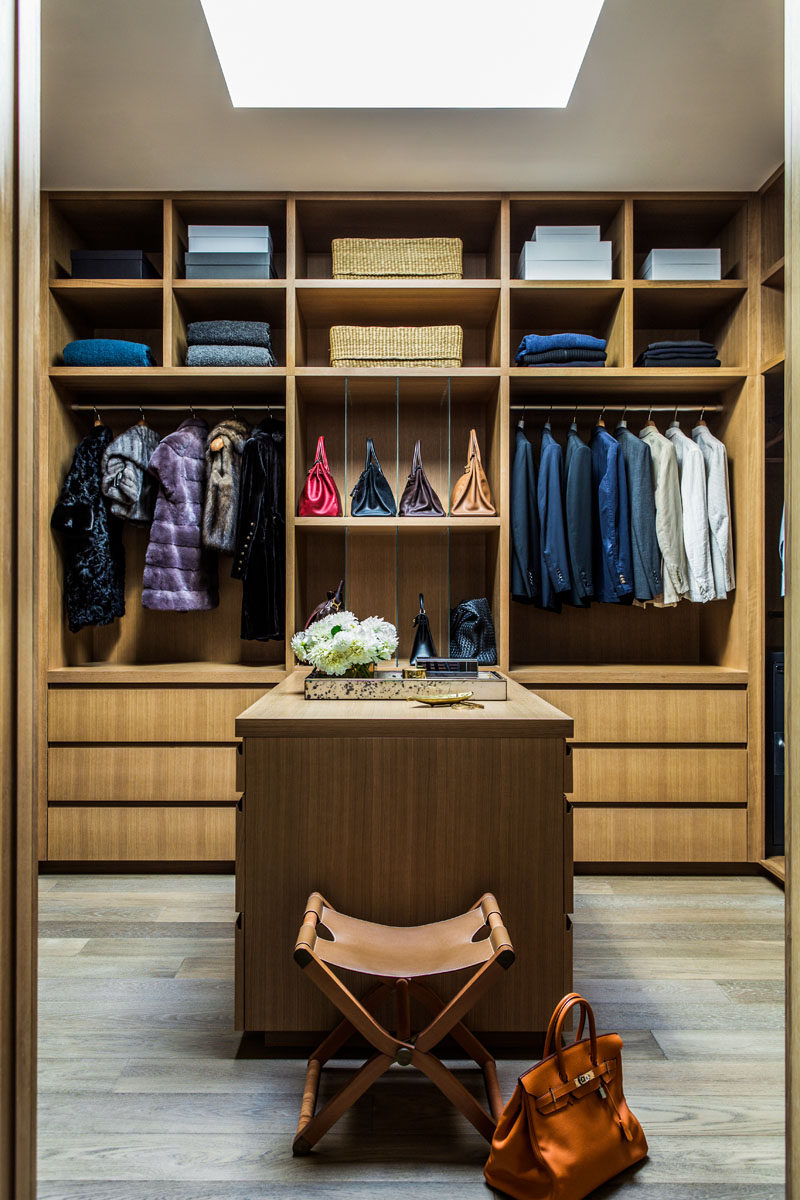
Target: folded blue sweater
[
  {"x": 535, "y": 343},
  {"x": 107, "y": 352}
]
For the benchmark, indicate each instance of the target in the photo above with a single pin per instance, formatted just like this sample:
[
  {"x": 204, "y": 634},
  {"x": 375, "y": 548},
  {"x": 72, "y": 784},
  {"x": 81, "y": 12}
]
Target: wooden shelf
[
  {"x": 774, "y": 275},
  {"x": 776, "y": 363},
  {"x": 149, "y": 381},
  {"x": 624, "y": 674},
  {"x": 643, "y": 381},
  {"x": 422, "y": 524},
  {"x": 413, "y": 301},
  {"x": 775, "y": 866},
  {"x": 163, "y": 674},
  {"x": 327, "y": 384},
  {"x": 213, "y": 287}
]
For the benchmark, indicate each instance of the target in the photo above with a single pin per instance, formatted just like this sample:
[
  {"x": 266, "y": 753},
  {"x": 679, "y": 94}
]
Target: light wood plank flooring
[{"x": 146, "y": 1094}]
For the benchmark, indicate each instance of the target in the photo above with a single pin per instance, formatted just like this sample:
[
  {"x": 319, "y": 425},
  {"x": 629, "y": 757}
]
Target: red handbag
[{"x": 320, "y": 495}]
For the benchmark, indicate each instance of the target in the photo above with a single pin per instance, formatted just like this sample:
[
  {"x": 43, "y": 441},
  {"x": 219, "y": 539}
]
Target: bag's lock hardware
[{"x": 582, "y": 1079}]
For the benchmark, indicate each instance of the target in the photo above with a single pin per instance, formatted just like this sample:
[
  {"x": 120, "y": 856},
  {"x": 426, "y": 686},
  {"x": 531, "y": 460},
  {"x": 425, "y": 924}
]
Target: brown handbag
[
  {"x": 472, "y": 496},
  {"x": 567, "y": 1129},
  {"x": 418, "y": 498}
]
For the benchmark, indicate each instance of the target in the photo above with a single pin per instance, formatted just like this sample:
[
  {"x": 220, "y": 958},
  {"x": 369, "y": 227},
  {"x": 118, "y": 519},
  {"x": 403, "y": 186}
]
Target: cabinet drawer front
[
  {"x": 660, "y": 834},
  {"x": 140, "y": 834},
  {"x": 141, "y": 775},
  {"x": 657, "y": 715},
  {"x": 145, "y": 714},
  {"x": 659, "y": 775}
]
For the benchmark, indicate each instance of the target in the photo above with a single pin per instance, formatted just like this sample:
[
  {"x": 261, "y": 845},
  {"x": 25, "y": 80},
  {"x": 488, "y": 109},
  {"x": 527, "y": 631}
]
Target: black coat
[
  {"x": 259, "y": 554},
  {"x": 91, "y": 539},
  {"x": 526, "y": 578}
]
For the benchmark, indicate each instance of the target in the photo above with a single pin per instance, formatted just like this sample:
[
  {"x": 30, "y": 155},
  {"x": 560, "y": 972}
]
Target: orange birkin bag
[
  {"x": 472, "y": 496},
  {"x": 567, "y": 1129}
]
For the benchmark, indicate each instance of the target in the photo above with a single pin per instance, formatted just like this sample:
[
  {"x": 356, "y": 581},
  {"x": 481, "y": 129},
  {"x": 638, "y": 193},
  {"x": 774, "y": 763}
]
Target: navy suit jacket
[
  {"x": 613, "y": 571},
  {"x": 526, "y": 578},
  {"x": 641, "y": 497},
  {"x": 550, "y": 493},
  {"x": 578, "y": 507}
]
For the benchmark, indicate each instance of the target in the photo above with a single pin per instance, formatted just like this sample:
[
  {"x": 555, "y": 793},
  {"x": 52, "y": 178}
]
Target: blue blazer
[
  {"x": 552, "y": 529},
  {"x": 578, "y": 507},
  {"x": 526, "y": 577},
  {"x": 611, "y": 557},
  {"x": 641, "y": 496}
]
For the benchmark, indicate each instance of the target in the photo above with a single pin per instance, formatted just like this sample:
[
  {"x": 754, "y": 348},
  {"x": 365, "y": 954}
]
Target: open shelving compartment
[
  {"x": 546, "y": 209},
  {"x": 231, "y": 209}
]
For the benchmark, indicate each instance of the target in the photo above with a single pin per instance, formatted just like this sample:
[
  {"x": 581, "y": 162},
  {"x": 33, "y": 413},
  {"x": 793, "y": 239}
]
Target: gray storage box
[
  {"x": 229, "y": 266},
  {"x": 224, "y": 239},
  {"x": 698, "y": 263}
]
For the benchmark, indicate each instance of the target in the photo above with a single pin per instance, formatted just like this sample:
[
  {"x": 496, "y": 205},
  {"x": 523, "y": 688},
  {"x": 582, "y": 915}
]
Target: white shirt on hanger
[
  {"x": 669, "y": 517},
  {"x": 719, "y": 509},
  {"x": 692, "y": 469}
]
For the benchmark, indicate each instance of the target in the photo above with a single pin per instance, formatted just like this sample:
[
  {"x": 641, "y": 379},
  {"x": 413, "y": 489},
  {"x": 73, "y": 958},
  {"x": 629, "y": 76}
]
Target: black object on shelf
[
  {"x": 776, "y": 751},
  {"x": 112, "y": 264},
  {"x": 448, "y": 666}
]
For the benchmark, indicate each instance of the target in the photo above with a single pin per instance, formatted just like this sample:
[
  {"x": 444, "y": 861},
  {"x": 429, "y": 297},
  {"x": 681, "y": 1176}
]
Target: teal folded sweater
[{"x": 107, "y": 352}]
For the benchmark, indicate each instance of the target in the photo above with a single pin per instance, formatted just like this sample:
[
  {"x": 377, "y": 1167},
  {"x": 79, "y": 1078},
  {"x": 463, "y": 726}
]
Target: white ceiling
[{"x": 684, "y": 94}]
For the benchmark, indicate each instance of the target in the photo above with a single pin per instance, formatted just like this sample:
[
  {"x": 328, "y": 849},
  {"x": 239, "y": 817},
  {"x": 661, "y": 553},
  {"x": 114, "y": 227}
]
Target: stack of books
[
  {"x": 702, "y": 263},
  {"x": 565, "y": 252},
  {"x": 229, "y": 252}
]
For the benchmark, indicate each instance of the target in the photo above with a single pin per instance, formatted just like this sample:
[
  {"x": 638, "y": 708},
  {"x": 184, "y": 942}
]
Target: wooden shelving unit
[{"x": 191, "y": 673}]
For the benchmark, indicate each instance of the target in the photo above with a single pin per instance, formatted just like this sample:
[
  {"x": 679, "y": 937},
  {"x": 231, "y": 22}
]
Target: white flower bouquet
[{"x": 340, "y": 644}]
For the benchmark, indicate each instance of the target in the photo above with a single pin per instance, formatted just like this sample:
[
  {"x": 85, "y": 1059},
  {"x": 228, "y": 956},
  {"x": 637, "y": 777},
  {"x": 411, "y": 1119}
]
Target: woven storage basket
[
  {"x": 396, "y": 346},
  {"x": 396, "y": 258}
]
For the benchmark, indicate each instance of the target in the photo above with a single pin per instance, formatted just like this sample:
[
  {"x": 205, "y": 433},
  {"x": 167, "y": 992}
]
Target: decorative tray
[{"x": 390, "y": 685}]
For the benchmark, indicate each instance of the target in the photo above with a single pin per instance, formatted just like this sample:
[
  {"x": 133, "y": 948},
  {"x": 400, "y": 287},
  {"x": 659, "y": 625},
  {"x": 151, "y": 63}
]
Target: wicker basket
[
  {"x": 397, "y": 258},
  {"x": 396, "y": 346}
]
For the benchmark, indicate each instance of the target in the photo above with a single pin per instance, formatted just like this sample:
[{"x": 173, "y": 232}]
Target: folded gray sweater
[
  {"x": 230, "y": 356},
  {"x": 229, "y": 333}
]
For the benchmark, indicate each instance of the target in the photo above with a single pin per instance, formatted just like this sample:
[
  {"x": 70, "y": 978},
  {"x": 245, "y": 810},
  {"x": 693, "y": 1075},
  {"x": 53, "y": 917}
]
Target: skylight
[{"x": 419, "y": 54}]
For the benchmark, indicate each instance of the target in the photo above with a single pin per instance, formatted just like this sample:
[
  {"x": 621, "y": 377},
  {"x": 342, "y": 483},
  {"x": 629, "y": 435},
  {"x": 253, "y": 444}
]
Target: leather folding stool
[{"x": 401, "y": 958}]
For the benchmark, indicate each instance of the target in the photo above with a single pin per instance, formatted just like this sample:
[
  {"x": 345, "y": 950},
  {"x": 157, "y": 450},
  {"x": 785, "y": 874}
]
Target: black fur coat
[{"x": 91, "y": 539}]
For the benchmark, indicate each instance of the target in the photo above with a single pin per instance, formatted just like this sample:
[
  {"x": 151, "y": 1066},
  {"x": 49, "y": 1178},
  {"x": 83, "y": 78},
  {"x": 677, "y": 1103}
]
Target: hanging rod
[
  {"x": 173, "y": 408},
  {"x": 579, "y": 408}
]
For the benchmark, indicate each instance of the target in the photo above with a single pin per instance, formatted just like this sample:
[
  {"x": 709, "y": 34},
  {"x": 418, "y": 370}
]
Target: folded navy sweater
[
  {"x": 107, "y": 352},
  {"x": 554, "y": 357},
  {"x": 228, "y": 333}
]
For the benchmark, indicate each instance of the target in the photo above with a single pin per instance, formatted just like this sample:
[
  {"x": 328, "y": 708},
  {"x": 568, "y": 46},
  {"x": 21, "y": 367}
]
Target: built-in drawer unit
[
  {"x": 105, "y": 833},
  {"x": 143, "y": 774},
  {"x": 658, "y": 715},
  {"x": 660, "y": 833},
  {"x": 146, "y": 714},
  {"x": 659, "y": 775}
]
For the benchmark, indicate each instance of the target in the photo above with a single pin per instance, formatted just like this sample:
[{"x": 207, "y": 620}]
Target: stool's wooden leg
[
  {"x": 455, "y": 1092},
  {"x": 460, "y": 1033},
  {"x": 403, "y": 1009},
  {"x": 308, "y": 1135},
  {"x": 493, "y": 1089},
  {"x": 310, "y": 1090},
  {"x": 344, "y": 1030}
]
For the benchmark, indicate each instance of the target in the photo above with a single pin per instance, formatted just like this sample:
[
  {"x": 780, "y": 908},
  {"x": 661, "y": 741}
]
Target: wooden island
[{"x": 401, "y": 814}]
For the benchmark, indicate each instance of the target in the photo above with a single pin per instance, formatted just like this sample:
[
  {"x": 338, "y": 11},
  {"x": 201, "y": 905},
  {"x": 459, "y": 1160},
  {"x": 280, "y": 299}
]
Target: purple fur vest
[{"x": 179, "y": 576}]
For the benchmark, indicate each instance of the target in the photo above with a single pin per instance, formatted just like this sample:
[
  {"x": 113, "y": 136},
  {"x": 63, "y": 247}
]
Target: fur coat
[
  {"x": 126, "y": 483},
  {"x": 259, "y": 558},
  {"x": 222, "y": 485},
  {"x": 91, "y": 539},
  {"x": 179, "y": 576}
]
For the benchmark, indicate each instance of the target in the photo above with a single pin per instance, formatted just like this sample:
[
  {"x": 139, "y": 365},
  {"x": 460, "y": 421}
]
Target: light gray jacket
[
  {"x": 696, "y": 540},
  {"x": 125, "y": 481},
  {"x": 669, "y": 516},
  {"x": 719, "y": 509}
]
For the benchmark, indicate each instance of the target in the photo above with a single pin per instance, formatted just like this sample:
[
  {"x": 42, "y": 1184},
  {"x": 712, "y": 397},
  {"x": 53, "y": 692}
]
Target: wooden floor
[{"x": 146, "y": 1094}]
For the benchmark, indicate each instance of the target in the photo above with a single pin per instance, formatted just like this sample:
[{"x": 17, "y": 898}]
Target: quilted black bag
[{"x": 472, "y": 632}]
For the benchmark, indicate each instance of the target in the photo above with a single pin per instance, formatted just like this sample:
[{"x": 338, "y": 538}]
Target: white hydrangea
[{"x": 340, "y": 641}]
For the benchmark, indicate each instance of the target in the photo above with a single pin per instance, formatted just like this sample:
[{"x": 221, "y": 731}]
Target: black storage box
[{"x": 112, "y": 264}]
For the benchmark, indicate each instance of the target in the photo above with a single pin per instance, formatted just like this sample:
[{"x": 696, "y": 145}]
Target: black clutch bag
[
  {"x": 423, "y": 638},
  {"x": 372, "y": 495},
  {"x": 472, "y": 632}
]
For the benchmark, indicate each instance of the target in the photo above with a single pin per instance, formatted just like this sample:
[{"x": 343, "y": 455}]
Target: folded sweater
[
  {"x": 563, "y": 356},
  {"x": 229, "y": 333},
  {"x": 107, "y": 352},
  {"x": 678, "y": 360},
  {"x": 536, "y": 343},
  {"x": 230, "y": 356}
]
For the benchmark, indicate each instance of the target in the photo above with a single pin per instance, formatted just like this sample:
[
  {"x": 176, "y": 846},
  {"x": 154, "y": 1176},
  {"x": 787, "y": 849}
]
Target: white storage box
[
  {"x": 534, "y": 265},
  {"x": 239, "y": 239},
  {"x": 584, "y": 233},
  {"x": 699, "y": 263}
]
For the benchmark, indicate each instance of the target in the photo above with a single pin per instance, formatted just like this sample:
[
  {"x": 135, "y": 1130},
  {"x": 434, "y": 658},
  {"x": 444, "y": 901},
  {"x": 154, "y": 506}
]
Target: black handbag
[
  {"x": 419, "y": 499},
  {"x": 423, "y": 638},
  {"x": 472, "y": 632},
  {"x": 372, "y": 496}
]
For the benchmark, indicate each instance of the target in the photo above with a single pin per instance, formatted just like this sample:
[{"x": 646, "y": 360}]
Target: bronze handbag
[
  {"x": 472, "y": 496},
  {"x": 418, "y": 498},
  {"x": 326, "y": 607},
  {"x": 567, "y": 1129}
]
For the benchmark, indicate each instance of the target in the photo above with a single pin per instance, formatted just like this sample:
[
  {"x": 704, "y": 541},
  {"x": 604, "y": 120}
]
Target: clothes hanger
[
  {"x": 600, "y": 423},
  {"x": 142, "y": 418},
  {"x": 700, "y": 420},
  {"x": 650, "y": 422},
  {"x": 675, "y": 423},
  {"x": 191, "y": 410},
  {"x": 521, "y": 421},
  {"x": 547, "y": 425},
  {"x": 574, "y": 424},
  {"x": 622, "y": 423},
  {"x": 97, "y": 420}
]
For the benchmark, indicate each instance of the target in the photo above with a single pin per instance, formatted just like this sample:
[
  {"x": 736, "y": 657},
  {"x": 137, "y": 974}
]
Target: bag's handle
[
  {"x": 474, "y": 448},
  {"x": 371, "y": 454},
  {"x": 416, "y": 461},
  {"x": 321, "y": 456},
  {"x": 551, "y": 1028},
  {"x": 559, "y": 1030}
]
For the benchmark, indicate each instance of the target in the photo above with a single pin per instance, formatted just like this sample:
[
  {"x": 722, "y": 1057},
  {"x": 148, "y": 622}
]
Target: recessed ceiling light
[{"x": 422, "y": 54}]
